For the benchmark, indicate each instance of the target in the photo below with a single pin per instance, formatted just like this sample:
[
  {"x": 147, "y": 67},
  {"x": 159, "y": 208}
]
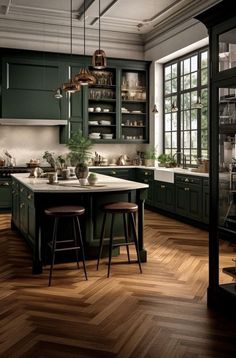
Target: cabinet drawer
[
  {"x": 188, "y": 179},
  {"x": 145, "y": 174}
]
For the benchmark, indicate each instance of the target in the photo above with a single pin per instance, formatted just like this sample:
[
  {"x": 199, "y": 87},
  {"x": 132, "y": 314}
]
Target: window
[{"x": 185, "y": 107}]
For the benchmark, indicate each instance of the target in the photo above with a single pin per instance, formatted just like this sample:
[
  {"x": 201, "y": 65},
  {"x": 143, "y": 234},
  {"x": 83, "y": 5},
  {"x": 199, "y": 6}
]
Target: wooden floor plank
[{"x": 160, "y": 313}]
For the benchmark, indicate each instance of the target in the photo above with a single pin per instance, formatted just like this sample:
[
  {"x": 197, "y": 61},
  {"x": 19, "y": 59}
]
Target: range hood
[{"x": 32, "y": 122}]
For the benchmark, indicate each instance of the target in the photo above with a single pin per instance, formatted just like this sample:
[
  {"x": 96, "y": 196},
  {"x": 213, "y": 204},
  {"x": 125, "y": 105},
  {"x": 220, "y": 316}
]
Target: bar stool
[
  {"x": 127, "y": 209},
  {"x": 55, "y": 245}
]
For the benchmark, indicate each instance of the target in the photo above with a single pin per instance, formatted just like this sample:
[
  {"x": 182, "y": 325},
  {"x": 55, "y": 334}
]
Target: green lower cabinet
[
  {"x": 205, "y": 201},
  {"x": 5, "y": 195},
  {"x": 15, "y": 203},
  {"x": 146, "y": 176},
  {"x": 164, "y": 196},
  {"x": 26, "y": 214},
  {"x": 189, "y": 198},
  {"x": 125, "y": 173}
]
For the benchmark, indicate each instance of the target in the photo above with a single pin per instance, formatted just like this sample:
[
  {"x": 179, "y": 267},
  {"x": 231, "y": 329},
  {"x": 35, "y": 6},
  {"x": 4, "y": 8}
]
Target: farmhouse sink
[{"x": 164, "y": 174}]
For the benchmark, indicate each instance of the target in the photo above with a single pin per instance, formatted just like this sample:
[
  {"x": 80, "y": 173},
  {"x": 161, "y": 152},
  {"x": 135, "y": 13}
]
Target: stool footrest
[
  {"x": 123, "y": 244},
  {"x": 68, "y": 248}
]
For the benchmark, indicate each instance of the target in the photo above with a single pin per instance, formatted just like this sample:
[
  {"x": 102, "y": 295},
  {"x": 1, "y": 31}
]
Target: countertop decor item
[
  {"x": 99, "y": 60},
  {"x": 80, "y": 153},
  {"x": 150, "y": 155},
  {"x": 92, "y": 179}
]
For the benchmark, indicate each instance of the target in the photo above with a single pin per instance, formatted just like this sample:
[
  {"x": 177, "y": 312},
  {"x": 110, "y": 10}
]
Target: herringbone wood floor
[{"x": 160, "y": 313}]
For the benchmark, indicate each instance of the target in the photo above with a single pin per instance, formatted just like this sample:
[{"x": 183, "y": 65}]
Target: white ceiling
[{"x": 126, "y": 16}]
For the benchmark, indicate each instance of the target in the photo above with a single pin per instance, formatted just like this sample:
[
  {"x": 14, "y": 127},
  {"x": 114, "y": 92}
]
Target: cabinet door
[
  {"x": 5, "y": 194},
  {"x": 15, "y": 203},
  {"x": 169, "y": 197},
  {"x": 205, "y": 204},
  {"x": 181, "y": 200},
  {"x": 23, "y": 207},
  {"x": 28, "y": 87},
  {"x": 195, "y": 202},
  {"x": 159, "y": 194}
]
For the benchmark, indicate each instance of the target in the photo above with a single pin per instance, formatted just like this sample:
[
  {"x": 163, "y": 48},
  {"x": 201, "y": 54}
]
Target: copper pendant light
[
  {"x": 99, "y": 60},
  {"x": 85, "y": 77},
  {"x": 71, "y": 86}
]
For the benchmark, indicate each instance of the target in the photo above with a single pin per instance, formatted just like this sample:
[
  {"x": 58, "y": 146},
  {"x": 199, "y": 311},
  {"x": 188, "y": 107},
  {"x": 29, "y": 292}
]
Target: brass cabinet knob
[
  {"x": 186, "y": 189},
  {"x": 22, "y": 205},
  {"x": 163, "y": 186},
  {"x": 186, "y": 180},
  {"x": 22, "y": 189},
  {"x": 146, "y": 173},
  {"x": 29, "y": 196},
  {"x": 145, "y": 180},
  {"x": 113, "y": 173}
]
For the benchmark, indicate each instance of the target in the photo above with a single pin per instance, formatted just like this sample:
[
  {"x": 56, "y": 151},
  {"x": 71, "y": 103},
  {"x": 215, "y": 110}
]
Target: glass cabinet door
[
  {"x": 227, "y": 158},
  {"x": 227, "y": 50}
]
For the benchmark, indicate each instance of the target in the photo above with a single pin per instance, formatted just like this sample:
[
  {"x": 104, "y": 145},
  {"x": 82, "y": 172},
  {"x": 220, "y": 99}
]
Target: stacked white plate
[
  {"x": 95, "y": 135},
  {"x": 105, "y": 123},
  {"x": 107, "y": 136},
  {"x": 93, "y": 123}
]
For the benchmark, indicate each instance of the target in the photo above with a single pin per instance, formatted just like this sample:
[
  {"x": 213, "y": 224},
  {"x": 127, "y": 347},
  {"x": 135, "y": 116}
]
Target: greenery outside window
[{"x": 185, "y": 106}]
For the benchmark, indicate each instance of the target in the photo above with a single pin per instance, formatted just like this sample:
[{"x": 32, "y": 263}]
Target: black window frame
[{"x": 191, "y": 161}]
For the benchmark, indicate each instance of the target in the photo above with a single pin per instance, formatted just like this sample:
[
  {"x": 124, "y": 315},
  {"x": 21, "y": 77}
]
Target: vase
[{"x": 81, "y": 171}]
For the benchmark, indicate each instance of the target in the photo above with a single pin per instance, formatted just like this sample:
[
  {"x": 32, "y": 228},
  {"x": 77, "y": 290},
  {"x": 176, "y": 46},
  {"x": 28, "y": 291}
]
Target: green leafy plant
[
  {"x": 166, "y": 160},
  {"x": 150, "y": 153},
  {"x": 79, "y": 147}
]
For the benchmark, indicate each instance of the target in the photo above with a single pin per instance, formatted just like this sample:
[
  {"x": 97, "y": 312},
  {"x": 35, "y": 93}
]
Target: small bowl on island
[{"x": 92, "y": 179}]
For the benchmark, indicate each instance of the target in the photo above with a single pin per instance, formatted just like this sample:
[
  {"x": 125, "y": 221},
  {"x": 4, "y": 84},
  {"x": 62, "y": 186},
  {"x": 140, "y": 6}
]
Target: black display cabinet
[{"x": 221, "y": 23}]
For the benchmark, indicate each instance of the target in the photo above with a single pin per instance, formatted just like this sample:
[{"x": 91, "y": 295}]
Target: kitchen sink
[{"x": 164, "y": 174}]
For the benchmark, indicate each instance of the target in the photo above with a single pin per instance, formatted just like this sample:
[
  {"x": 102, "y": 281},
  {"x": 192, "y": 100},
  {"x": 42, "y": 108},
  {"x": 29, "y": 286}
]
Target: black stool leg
[
  {"x": 135, "y": 240},
  {"x": 110, "y": 244},
  {"x": 54, "y": 237},
  {"x": 82, "y": 247},
  {"x": 101, "y": 239},
  {"x": 75, "y": 242},
  {"x": 126, "y": 236}
]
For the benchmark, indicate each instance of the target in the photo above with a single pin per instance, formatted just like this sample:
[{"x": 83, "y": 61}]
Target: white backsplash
[{"x": 25, "y": 143}]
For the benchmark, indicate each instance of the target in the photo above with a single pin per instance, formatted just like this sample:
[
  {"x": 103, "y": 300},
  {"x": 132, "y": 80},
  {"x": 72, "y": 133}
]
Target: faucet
[{"x": 178, "y": 154}]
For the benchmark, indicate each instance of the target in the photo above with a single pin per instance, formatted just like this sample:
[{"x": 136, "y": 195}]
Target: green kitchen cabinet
[
  {"x": 5, "y": 194},
  {"x": 28, "y": 87},
  {"x": 27, "y": 214},
  {"x": 147, "y": 176},
  {"x": 15, "y": 203},
  {"x": 164, "y": 196},
  {"x": 189, "y": 196},
  {"x": 122, "y": 173},
  {"x": 205, "y": 199}
]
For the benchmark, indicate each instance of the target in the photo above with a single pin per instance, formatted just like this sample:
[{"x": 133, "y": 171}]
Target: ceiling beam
[
  {"x": 88, "y": 3},
  {"x": 104, "y": 11}
]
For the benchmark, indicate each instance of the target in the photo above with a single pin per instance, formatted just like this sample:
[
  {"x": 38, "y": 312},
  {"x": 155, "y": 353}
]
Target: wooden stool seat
[
  {"x": 126, "y": 209},
  {"x": 65, "y": 211},
  {"x": 120, "y": 207},
  {"x": 76, "y": 244}
]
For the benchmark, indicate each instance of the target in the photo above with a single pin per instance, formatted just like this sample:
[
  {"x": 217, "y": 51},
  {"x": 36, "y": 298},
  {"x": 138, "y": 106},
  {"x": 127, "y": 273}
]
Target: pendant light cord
[
  {"x": 71, "y": 28},
  {"x": 99, "y": 26},
  {"x": 84, "y": 27}
]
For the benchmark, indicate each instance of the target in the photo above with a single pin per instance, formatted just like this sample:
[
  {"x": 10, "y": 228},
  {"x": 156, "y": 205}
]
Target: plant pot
[
  {"x": 149, "y": 162},
  {"x": 81, "y": 171},
  {"x": 92, "y": 179}
]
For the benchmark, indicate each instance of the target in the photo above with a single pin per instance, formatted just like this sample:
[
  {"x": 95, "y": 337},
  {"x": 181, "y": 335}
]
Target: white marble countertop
[
  {"x": 120, "y": 167},
  {"x": 105, "y": 183}
]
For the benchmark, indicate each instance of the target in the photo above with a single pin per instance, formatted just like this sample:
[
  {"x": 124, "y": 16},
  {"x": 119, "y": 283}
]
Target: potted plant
[
  {"x": 166, "y": 160},
  {"x": 79, "y": 147},
  {"x": 150, "y": 156}
]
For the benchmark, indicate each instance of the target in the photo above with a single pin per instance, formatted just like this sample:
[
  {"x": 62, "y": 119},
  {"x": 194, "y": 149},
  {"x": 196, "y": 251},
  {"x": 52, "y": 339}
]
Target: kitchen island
[{"x": 31, "y": 196}]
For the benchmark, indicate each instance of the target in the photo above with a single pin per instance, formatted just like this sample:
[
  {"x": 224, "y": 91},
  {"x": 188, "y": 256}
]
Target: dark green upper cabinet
[
  {"x": 29, "y": 80},
  {"x": 28, "y": 89}
]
